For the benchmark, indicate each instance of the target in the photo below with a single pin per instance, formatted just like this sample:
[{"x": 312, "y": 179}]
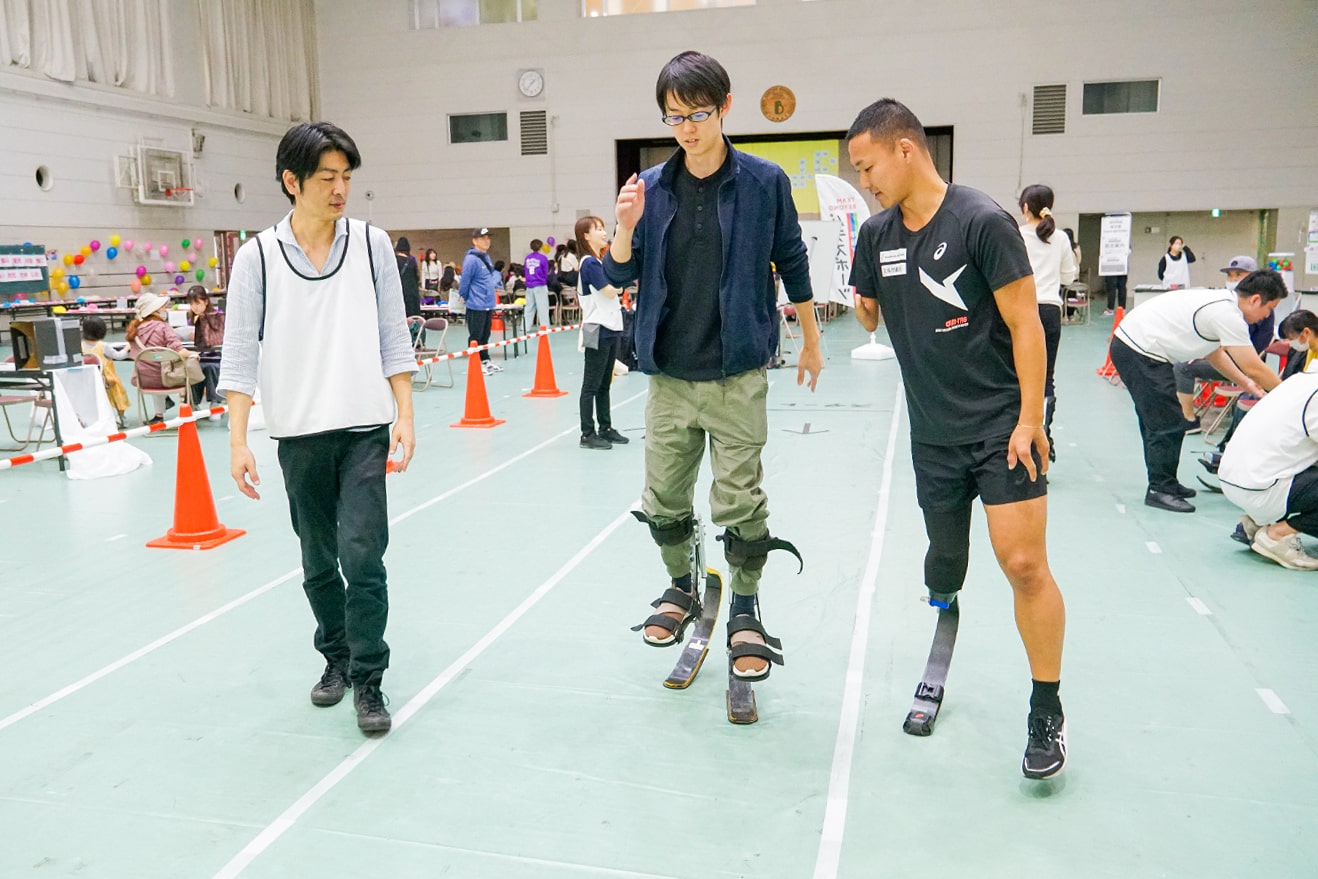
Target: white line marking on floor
[
  {"x": 505, "y": 465},
  {"x": 1153, "y": 547},
  {"x": 241, "y": 600},
  {"x": 227, "y": 497},
  {"x": 280, "y": 825},
  {"x": 1273, "y": 701},
  {"x": 1121, "y": 508},
  {"x": 143, "y": 651},
  {"x": 116, "y": 537},
  {"x": 844, "y": 749},
  {"x": 1199, "y": 607}
]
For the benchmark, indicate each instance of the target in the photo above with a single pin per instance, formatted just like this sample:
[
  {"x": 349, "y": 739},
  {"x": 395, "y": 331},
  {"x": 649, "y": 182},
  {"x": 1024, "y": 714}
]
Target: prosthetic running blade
[
  {"x": 929, "y": 692},
  {"x": 1214, "y": 488},
  {"x": 697, "y": 646}
]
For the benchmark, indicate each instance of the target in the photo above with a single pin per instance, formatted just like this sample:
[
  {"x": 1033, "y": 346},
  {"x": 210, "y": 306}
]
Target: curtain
[
  {"x": 122, "y": 43},
  {"x": 259, "y": 55}
]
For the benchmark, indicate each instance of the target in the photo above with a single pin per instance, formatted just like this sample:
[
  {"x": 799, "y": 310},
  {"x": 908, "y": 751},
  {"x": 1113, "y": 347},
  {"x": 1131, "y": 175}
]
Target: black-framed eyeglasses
[{"x": 698, "y": 116}]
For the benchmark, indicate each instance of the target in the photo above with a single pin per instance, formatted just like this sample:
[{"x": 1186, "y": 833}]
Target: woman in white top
[
  {"x": 1054, "y": 266},
  {"x": 431, "y": 271},
  {"x": 601, "y": 333}
]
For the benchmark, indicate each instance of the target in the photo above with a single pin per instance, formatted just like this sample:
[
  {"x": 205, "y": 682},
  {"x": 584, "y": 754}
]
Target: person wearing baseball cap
[
  {"x": 479, "y": 280},
  {"x": 1237, "y": 268}
]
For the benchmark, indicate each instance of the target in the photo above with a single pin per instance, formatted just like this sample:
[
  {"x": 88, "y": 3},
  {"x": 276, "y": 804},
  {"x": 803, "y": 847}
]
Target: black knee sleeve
[
  {"x": 672, "y": 534},
  {"x": 750, "y": 555},
  {"x": 949, "y": 550}
]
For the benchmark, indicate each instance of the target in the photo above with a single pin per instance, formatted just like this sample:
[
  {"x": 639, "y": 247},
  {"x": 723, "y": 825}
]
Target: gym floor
[{"x": 155, "y": 721}]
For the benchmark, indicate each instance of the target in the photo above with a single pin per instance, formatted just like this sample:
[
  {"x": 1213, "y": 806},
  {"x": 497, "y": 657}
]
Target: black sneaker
[
  {"x": 332, "y": 684},
  {"x": 371, "y": 713},
  {"x": 1182, "y": 491},
  {"x": 1045, "y": 753},
  {"x": 614, "y": 437},
  {"x": 1165, "y": 500},
  {"x": 595, "y": 441}
]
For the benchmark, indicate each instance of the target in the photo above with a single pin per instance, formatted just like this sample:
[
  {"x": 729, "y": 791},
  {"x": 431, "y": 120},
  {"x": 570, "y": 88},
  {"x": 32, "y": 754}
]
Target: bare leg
[{"x": 1017, "y": 532}]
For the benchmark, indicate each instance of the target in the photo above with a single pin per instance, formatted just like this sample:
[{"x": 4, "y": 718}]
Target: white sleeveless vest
[
  {"x": 321, "y": 367},
  {"x": 1177, "y": 271}
]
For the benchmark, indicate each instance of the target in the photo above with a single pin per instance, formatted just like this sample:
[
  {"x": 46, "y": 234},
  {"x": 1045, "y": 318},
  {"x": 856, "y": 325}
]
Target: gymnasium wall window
[
  {"x": 477, "y": 127},
  {"x": 469, "y": 13},
  {"x": 596, "y": 8},
  {"x": 1136, "y": 96}
]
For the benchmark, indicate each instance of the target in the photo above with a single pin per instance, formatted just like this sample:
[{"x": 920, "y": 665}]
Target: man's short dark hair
[
  {"x": 304, "y": 144},
  {"x": 1265, "y": 283},
  {"x": 1297, "y": 322},
  {"x": 536, "y": 244},
  {"x": 886, "y": 121},
  {"x": 695, "y": 79}
]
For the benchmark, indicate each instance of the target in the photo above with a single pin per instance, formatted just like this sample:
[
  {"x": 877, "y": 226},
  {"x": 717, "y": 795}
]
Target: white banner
[
  {"x": 841, "y": 204},
  {"x": 1114, "y": 245}
]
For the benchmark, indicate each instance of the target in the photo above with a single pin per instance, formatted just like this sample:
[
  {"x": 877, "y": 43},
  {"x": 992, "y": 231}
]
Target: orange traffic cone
[
  {"x": 496, "y": 323},
  {"x": 544, "y": 372},
  {"x": 477, "y": 413},
  {"x": 1107, "y": 370},
  {"x": 195, "y": 524}
]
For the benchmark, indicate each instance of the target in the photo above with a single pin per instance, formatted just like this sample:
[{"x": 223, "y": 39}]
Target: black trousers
[
  {"x": 1116, "y": 291},
  {"x": 1051, "y": 318},
  {"x": 1152, "y": 385},
  {"x": 336, "y": 495},
  {"x": 596, "y": 380},
  {"x": 478, "y": 328},
  {"x": 1302, "y": 502}
]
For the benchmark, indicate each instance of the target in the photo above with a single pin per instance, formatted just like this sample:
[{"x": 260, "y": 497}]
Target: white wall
[
  {"x": 1237, "y": 129},
  {"x": 76, "y": 130}
]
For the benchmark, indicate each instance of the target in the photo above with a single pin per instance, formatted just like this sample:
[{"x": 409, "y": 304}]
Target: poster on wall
[
  {"x": 802, "y": 160},
  {"x": 1311, "y": 246},
  {"x": 1114, "y": 245},
  {"x": 840, "y": 203}
]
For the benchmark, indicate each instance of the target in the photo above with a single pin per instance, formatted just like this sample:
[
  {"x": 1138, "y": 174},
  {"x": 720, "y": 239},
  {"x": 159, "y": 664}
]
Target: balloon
[
  {"x": 212, "y": 262},
  {"x": 64, "y": 286},
  {"x": 169, "y": 266},
  {"x": 95, "y": 245},
  {"x": 163, "y": 250},
  {"x": 135, "y": 285},
  {"x": 68, "y": 259},
  {"x": 78, "y": 258},
  {"x": 544, "y": 248},
  {"x": 140, "y": 271},
  {"x": 179, "y": 279},
  {"x": 550, "y": 241},
  {"x": 85, "y": 250},
  {"x": 147, "y": 246},
  {"x": 75, "y": 282},
  {"x": 111, "y": 252},
  {"x": 114, "y": 240},
  {"x": 146, "y": 279},
  {"x": 81, "y": 300},
  {"x": 128, "y": 245},
  {"x": 56, "y": 273},
  {"x": 198, "y": 243},
  {"x": 185, "y": 266},
  {"x": 187, "y": 242},
  {"x": 201, "y": 273}
]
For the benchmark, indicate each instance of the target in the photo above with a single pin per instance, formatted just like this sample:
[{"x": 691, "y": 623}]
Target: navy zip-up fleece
[{"x": 759, "y": 225}]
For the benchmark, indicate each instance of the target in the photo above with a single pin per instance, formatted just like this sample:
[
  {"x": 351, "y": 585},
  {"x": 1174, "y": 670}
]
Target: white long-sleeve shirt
[{"x": 1053, "y": 262}]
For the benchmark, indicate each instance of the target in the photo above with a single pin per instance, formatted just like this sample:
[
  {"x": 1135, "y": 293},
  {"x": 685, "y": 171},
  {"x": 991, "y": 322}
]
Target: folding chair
[
  {"x": 1075, "y": 309},
  {"x": 568, "y": 303},
  {"x": 160, "y": 357},
  {"x": 1216, "y": 395},
  {"x": 39, "y": 401},
  {"x": 425, "y": 351}
]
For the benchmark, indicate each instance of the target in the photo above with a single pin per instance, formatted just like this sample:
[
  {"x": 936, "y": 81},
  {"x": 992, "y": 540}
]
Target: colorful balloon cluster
[
  {"x": 67, "y": 277},
  {"x": 1281, "y": 264}
]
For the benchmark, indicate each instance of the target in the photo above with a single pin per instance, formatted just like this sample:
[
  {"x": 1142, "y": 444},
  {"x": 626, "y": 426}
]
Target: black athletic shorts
[{"x": 950, "y": 477}]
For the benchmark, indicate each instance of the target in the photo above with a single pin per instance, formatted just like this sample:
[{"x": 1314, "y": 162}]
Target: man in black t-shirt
[{"x": 949, "y": 269}]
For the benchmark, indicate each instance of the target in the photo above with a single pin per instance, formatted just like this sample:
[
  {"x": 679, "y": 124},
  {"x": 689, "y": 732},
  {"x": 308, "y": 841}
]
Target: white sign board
[{"x": 1114, "y": 245}]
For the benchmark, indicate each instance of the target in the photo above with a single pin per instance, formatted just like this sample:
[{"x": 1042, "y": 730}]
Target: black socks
[
  {"x": 1045, "y": 696},
  {"x": 683, "y": 582},
  {"x": 743, "y": 604}
]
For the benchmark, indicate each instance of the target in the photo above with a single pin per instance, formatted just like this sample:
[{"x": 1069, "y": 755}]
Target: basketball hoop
[{"x": 181, "y": 191}]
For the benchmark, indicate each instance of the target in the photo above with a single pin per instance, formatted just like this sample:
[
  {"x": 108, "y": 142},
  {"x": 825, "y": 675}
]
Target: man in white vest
[{"x": 316, "y": 321}]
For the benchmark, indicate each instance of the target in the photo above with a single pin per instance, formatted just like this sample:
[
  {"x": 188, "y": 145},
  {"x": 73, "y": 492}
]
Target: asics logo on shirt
[
  {"x": 946, "y": 290},
  {"x": 942, "y": 248}
]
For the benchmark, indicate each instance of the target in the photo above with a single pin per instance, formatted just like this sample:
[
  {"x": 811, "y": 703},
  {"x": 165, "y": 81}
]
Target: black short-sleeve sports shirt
[{"x": 935, "y": 288}]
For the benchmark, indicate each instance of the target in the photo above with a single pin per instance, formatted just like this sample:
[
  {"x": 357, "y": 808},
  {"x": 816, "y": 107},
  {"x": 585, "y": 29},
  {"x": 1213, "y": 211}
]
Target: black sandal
[
  {"x": 770, "y": 650},
  {"x": 687, "y": 602}
]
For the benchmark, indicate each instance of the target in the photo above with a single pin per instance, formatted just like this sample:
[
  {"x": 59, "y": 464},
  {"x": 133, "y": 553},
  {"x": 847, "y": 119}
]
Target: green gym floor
[{"x": 154, "y": 717}]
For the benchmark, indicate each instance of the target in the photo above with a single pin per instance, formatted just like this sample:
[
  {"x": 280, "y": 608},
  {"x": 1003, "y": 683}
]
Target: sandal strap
[
  {"x": 663, "y": 621},
  {"x": 673, "y": 595},
  {"x": 748, "y": 623},
  {"x": 761, "y": 651}
]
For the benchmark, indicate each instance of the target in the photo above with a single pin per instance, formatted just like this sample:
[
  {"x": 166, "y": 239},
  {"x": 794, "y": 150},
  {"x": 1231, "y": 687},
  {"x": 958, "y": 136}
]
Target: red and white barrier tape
[
  {"x": 60, "y": 451},
  {"x": 476, "y": 349}
]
